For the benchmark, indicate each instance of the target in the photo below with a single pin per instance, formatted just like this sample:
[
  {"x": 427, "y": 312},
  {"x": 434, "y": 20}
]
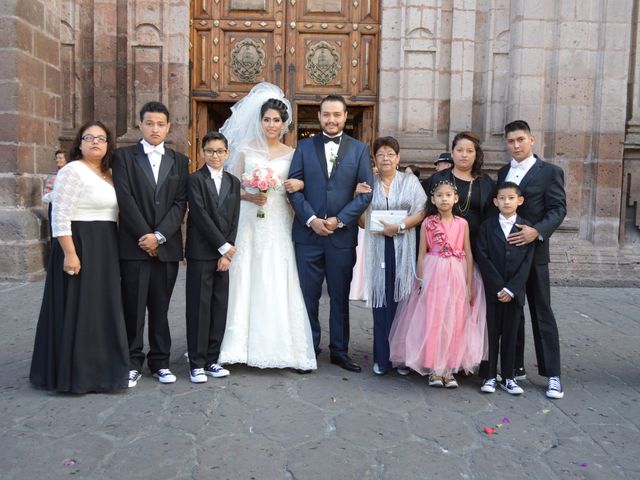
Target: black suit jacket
[
  {"x": 213, "y": 218},
  {"x": 484, "y": 182},
  {"x": 545, "y": 204},
  {"x": 146, "y": 207},
  {"x": 502, "y": 264}
]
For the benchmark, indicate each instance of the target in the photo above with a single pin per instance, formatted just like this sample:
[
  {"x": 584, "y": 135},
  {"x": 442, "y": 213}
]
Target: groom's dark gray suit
[{"x": 333, "y": 256}]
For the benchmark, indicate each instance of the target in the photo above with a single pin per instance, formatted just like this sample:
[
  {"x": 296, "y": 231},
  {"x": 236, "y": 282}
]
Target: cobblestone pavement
[{"x": 274, "y": 424}]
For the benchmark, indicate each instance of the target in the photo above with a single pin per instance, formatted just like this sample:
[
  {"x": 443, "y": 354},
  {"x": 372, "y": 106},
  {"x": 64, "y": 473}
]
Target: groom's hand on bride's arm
[{"x": 320, "y": 227}]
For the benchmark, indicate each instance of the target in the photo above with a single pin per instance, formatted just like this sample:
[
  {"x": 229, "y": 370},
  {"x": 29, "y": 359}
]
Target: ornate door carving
[{"x": 309, "y": 48}]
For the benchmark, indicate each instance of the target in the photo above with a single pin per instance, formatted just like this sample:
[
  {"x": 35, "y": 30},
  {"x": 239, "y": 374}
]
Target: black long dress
[{"x": 81, "y": 344}]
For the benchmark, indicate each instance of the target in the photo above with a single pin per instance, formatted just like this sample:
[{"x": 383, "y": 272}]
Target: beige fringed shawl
[{"x": 405, "y": 193}]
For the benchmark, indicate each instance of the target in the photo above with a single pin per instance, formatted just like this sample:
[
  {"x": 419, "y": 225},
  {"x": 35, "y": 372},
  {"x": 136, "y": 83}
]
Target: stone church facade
[{"x": 420, "y": 70}]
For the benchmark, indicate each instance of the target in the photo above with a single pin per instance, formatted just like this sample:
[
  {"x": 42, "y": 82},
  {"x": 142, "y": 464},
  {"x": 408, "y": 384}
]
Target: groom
[{"x": 325, "y": 229}]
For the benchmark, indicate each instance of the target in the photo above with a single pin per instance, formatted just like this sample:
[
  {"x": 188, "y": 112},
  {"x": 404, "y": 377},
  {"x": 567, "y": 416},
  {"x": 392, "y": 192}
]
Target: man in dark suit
[
  {"x": 542, "y": 185},
  {"x": 212, "y": 225},
  {"x": 150, "y": 182},
  {"x": 505, "y": 268},
  {"x": 325, "y": 228}
]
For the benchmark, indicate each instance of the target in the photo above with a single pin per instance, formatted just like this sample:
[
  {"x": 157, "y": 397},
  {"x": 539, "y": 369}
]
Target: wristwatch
[
  {"x": 340, "y": 224},
  {"x": 403, "y": 227},
  {"x": 160, "y": 237}
]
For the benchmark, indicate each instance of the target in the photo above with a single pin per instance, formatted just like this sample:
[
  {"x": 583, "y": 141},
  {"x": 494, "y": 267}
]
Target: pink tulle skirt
[
  {"x": 357, "y": 291},
  {"x": 436, "y": 330}
]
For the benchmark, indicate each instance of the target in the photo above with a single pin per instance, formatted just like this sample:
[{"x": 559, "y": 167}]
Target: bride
[{"x": 267, "y": 323}]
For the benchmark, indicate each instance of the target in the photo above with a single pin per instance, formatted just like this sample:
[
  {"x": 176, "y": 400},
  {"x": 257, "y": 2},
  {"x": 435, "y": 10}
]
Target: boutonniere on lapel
[{"x": 334, "y": 159}]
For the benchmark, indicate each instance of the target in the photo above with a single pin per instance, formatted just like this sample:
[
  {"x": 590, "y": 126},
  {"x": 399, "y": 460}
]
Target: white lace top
[{"x": 81, "y": 195}]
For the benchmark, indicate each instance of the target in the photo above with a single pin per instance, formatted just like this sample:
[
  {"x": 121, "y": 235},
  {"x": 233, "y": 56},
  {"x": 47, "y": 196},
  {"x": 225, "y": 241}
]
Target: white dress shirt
[
  {"x": 154, "y": 154},
  {"x": 216, "y": 175},
  {"x": 507, "y": 224},
  {"x": 330, "y": 150},
  {"x": 519, "y": 169}
]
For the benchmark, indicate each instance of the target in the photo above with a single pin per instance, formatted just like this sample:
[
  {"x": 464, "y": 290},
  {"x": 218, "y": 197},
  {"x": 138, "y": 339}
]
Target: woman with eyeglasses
[
  {"x": 81, "y": 343},
  {"x": 390, "y": 244}
]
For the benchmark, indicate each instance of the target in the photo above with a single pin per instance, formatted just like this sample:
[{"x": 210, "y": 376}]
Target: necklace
[
  {"x": 387, "y": 185},
  {"x": 466, "y": 205}
]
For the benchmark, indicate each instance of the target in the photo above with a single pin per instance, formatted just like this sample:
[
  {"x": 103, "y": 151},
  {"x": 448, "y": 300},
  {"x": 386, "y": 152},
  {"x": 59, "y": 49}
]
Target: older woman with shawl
[{"x": 390, "y": 244}]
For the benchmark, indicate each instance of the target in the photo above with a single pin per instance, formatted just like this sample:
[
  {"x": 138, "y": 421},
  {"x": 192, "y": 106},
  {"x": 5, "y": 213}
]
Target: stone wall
[
  {"x": 66, "y": 62},
  {"x": 453, "y": 65},
  {"x": 30, "y": 93}
]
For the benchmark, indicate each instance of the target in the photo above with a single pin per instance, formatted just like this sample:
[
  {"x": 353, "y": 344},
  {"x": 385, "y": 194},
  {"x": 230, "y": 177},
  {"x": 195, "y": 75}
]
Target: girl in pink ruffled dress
[{"x": 441, "y": 328}]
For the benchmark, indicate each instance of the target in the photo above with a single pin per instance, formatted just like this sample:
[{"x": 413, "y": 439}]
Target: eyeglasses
[
  {"x": 93, "y": 138},
  {"x": 382, "y": 156},
  {"x": 209, "y": 152}
]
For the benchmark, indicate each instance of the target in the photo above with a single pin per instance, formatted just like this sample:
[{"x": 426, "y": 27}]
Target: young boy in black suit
[
  {"x": 505, "y": 269},
  {"x": 212, "y": 224}
]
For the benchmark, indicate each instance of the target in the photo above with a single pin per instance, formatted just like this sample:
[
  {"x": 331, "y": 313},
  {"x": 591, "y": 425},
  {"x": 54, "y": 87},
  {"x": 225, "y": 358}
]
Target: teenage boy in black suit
[
  {"x": 505, "y": 268},
  {"x": 542, "y": 185},
  {"x": 151, "y": 185},
  {"x": 212, "y": 224}
]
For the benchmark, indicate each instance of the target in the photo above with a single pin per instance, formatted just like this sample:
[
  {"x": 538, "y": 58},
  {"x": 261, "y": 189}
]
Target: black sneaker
[
  {"x": 510, "y": 386},
  {"x": 520, "y": 374},
  {"x": 554, "y": 388},
  {"x": 164, "y": 375},
  {"x": 215, "y": 370}
]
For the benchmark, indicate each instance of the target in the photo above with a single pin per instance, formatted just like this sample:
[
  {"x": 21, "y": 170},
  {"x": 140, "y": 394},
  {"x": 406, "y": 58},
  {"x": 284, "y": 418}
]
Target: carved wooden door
[{"x": 309, "y": 48}]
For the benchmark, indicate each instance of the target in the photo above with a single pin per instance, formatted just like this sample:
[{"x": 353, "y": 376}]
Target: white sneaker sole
[
  {"x": 403, "y": 371},
  {"x": 198, "y": 379},
  {"x": 487, "y": 390},
  {"x": 217, "y": 375},
  {"x": 133, "y": 383},
  {"x": 554, "y": 394},
  {"x": 165, "y": 380}
]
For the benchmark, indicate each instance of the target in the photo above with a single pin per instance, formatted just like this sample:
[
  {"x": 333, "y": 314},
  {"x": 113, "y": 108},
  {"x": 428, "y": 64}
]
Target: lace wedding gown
[{"x": 267, "y": 322}]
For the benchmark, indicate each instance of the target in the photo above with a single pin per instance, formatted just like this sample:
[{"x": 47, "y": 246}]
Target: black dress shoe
[
  {"x": 300, "y": 371},
  {"x": 346, "y": 363}
]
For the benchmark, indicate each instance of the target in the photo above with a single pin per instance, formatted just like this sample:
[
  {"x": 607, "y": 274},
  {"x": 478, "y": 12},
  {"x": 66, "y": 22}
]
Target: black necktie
[{"x": 335, "y": 140}]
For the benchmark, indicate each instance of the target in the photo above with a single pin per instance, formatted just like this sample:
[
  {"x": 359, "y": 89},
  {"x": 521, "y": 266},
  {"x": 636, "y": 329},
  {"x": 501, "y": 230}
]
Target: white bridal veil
[{"x": 243, "y": 128}]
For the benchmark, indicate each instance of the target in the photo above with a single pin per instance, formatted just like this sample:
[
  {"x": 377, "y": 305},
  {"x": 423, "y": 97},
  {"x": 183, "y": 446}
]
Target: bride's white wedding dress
[{"x": 267, "y": 322}]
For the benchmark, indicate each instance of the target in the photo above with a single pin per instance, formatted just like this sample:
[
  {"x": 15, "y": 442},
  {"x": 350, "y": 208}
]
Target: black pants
[
  {"x": 503, "y": 320},
  {"x": 147, "y": 285},
  {"x": 207, "y": 300},
  {"x": 543, "y": 324},
  {"x": 383, "y": 316}
]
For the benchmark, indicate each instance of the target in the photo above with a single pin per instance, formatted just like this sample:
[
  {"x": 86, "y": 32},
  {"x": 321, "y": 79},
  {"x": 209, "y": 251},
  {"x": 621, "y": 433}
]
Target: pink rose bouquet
[{"x": 262, "y": 179}]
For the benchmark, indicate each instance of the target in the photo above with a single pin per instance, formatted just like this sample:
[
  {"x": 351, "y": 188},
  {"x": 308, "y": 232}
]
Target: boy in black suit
[
  {"x": 505, "y": 268},
  {"x": 214, "y": 210},
  {"x": 151, "y": 185},
  {"x": 545, "y": 206}
]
